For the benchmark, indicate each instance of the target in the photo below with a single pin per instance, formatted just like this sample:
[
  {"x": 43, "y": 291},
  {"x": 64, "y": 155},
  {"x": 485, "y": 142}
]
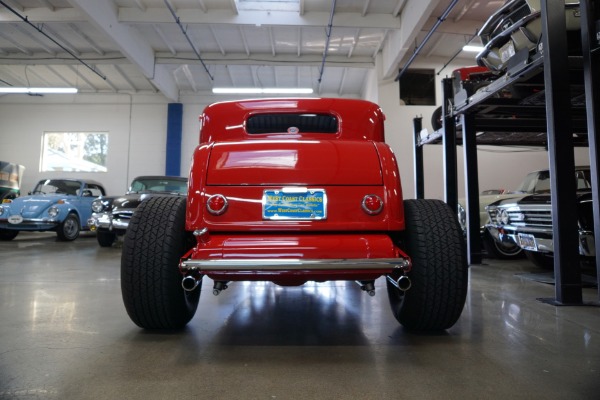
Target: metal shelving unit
[{"x": 551, "y": 100}]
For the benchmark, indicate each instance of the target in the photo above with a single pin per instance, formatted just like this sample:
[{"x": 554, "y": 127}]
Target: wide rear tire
[
  {"x": 150, "y": 277},
  {"x": 439, "y": 274}
]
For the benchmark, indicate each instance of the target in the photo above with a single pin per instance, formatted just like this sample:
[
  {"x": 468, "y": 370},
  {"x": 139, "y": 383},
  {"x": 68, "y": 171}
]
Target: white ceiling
[{"x": 136, "y": 46}]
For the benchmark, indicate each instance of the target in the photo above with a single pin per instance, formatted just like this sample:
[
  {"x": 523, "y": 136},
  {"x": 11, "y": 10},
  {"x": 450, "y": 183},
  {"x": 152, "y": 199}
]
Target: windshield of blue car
[
  {"x": 57, "y": 186},
  {"x": 159, "y": 185}
]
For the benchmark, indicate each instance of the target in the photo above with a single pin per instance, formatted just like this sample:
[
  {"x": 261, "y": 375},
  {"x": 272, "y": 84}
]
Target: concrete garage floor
[{"x": 64, "y": 334}]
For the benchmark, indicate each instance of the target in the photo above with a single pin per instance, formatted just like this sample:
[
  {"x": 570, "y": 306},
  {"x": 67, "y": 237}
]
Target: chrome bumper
[
  {"x": 33, "y": 224},
  {"x": 106, "y": 221},
  {"x": 587, "y": 245},
  {"x": 402, "y": 264}
]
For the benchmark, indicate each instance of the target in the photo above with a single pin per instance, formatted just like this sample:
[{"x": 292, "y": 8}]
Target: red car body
[
  {"x": 290, "y": 191},
  {"x": 347, "y": 165}
]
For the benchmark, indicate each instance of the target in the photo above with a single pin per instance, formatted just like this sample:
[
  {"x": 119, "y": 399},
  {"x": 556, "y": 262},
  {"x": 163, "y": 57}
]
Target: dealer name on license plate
[
  {"x": 294, "y": 204},
  {"x": 527, "y": 241}
]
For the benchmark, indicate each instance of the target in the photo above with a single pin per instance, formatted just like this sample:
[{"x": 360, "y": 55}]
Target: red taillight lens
[
  {"x": 372, "y": 204},
  {"x": 216, "y": 204}
]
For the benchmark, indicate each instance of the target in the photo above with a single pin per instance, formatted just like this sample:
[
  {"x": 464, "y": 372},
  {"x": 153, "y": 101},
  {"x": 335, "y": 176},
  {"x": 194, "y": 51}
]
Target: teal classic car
[
  {"x": 59, "y": 205},
  {"x": 10, "y": 180}
]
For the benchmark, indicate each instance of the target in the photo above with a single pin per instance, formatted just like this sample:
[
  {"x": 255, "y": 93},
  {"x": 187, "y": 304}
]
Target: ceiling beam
[
  {"x": 415, "y": 14},
  {"x": 43, "y": 15},
  {"x": 219, "y": 45},
  {"x": 60, "y": 76},
  {"x": 272, "y": 40},
  {"x": 108, "y": 81},
  {"x": 398, "y": 8},
  {"x": 234, "y": 7},
  {"x": 267, "y": 59},
  {"x": 140, "y": 5},
  {"x": 85, "y": 37},
  {"x": 47, "y": 4},
  {"x": 299, "y": 41},
  {"x": 244, "y": 41},
  {"x": 342, "y": 81},
  {"x": 163, "y": 37},
  {"x": 354, "y": 42},
  {"x": 21, "y": 48},
  {"x": 64, "y": 42},
  {"x": 190, "y": 77},
  {"x": 4, "y": 72},
  {"x": 192, "y": 16},
  {"x": 130, "y": 42},
  {"x": 125, "y": 77},
  {"x": 35, "y": 38},
  {"x": 365, "y": 9},
  {"x": 464, "y": 10},
  {"x": 78, "y": 76}
]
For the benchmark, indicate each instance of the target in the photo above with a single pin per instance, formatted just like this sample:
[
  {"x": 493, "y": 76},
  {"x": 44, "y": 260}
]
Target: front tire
[
  {"x": 439, "y": 274},
  {"x": 8, "y": 234},
  {"x": 69, "y": 229},
  {"x": 106, "y": 239},
  {"x": 501, "y": 251},
  {"x": 150, "y": 277}
]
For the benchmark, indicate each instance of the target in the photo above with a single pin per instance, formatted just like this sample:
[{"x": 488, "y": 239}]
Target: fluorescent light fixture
[
  {"x": 40, "y": 90},
  {"x": 262, "y": 91},
  {"x": 474, "y": 49}
]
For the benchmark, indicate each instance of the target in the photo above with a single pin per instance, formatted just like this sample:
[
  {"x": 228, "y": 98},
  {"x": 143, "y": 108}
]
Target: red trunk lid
[{"x": 294, "y": 162}]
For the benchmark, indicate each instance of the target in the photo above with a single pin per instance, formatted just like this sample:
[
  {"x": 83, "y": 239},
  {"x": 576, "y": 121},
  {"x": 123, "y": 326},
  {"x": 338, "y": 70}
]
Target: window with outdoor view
[{"x": 74, "y": 151}]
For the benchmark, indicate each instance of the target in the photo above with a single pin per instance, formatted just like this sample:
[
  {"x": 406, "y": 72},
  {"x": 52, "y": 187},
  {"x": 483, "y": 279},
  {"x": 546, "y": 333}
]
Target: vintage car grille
[
  {"x": 534, "y": 218},
  {"x": 123, "y": 214}
]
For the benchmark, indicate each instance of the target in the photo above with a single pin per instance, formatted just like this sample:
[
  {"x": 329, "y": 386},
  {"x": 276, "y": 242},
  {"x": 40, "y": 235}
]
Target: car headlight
[
  {"x": 97, "y": 206},
  {"x": 53, "y": 212},
  {"x": 502, "y": 217}
]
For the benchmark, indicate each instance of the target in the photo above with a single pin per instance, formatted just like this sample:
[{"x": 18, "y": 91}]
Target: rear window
[{"x": 292, "y": 123}]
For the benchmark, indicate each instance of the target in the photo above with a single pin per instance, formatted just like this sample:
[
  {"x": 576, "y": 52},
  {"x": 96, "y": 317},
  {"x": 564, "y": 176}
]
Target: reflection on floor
[{"x": 65, "y": 335}]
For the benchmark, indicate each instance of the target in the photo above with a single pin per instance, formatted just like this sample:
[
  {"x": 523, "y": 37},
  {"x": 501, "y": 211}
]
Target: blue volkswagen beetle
[{"x": 60, "y": 205}]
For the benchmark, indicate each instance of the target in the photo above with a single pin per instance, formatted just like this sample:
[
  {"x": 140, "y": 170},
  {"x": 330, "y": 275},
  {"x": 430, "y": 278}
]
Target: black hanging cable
[
  {"x": 455, "y": 55},
  {"x": 24, "y": 18},
  {"x": 328, "y": 34},
  {"x": 188, "y": 38},
  {"x": 441, "y": 19}
]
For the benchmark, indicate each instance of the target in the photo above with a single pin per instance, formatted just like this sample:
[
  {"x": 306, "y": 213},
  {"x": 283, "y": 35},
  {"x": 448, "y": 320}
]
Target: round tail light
[
  {"x": 372, "y": 204},
  {"x": 216, "y": 204}
]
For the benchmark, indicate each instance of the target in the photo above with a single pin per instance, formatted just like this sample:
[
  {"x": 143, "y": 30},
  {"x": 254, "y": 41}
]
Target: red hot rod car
[{"x": 290, "y": 191}]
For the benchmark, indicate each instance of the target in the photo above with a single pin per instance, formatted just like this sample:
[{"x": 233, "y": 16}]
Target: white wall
[
  {"x": 137, "y": 136},
  {"x": 136, "y": 127}
]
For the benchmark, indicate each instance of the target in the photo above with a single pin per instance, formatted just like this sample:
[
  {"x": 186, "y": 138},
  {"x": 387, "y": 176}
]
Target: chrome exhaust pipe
[
  {"x": 189, "y": 283},
  {"x": 404, "y": 283}
]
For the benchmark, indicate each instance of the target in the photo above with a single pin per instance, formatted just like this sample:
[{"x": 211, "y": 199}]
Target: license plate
[
  {"x": 527, "y": 241},
  {"x": 15, "y": 219},
  {"x": 294, "y": 204}
]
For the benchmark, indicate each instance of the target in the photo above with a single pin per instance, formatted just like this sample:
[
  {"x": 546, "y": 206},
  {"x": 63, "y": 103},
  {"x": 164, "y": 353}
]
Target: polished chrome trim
[{"x": 295, "y": 264}]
